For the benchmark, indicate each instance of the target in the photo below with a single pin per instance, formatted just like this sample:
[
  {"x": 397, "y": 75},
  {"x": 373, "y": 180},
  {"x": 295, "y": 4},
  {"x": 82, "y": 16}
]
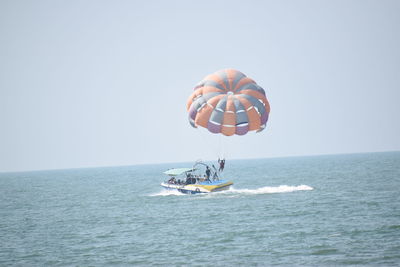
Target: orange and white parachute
[{"x": 228, "y": 102}]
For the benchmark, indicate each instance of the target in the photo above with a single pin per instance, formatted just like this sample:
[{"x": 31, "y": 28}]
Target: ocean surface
[{"x": 314, "y": 211}]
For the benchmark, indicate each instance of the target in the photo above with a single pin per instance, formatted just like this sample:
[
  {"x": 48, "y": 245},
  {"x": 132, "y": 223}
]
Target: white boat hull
[{"x": 204, "y": 187}]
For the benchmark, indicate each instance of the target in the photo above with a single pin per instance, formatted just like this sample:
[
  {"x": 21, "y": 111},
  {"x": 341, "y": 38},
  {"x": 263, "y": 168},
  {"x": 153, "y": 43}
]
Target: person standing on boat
[
  {"x": 208, "y": 173},
  {"x": 221, "y": 164},
  {"x": 215, "y": 176}
]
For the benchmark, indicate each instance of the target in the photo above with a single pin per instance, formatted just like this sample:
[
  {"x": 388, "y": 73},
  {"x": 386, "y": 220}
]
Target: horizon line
[{"x": 170, "y": 162}]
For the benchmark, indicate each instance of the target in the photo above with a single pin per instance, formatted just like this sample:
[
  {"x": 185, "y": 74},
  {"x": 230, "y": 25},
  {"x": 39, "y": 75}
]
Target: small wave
[
  {"x": 327, "y": 251},
  {"x": 167, "y": 193},
  {"x": 271, "y": 189}
]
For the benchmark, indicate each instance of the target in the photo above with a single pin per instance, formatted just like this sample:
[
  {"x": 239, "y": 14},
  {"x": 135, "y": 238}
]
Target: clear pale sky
[{"x": 104, "y": 83}]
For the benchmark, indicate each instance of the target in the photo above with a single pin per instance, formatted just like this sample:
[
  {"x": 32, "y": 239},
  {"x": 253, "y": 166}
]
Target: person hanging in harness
[{"x": 221, "y": 164}]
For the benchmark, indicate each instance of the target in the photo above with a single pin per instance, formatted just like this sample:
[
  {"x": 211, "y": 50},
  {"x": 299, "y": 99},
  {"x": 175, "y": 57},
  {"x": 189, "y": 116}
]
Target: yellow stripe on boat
[{"x": 214, "y": 187}]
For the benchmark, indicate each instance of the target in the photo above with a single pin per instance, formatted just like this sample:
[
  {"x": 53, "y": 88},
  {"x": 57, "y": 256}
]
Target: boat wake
[
  {"x": 232, "y": 191},
  {"x": 165, "y": 192},
  {"x": 270, "y": 189}
]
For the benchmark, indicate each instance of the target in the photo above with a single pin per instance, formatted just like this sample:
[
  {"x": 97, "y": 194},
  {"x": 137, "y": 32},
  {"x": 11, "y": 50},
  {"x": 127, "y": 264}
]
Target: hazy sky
[{"x": 103, "y": 83}]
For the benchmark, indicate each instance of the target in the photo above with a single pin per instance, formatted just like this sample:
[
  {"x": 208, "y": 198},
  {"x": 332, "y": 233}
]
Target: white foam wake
[
  {"x": 233, "y": 191},
  {"x": 270, "y": 189},
  {"x": 165, "y": 192}
]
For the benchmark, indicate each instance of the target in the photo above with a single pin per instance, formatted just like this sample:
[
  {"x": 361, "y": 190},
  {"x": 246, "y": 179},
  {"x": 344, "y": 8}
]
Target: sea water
[{"x": 319, "y": 210}]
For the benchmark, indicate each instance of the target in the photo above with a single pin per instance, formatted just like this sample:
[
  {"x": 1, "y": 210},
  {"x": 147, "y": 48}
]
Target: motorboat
[{"x": 201, "y": 178}]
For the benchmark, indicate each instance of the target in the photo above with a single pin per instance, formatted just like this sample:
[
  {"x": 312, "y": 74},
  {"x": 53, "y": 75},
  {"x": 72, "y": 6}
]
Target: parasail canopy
[{"x": 228, "y": 102}]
